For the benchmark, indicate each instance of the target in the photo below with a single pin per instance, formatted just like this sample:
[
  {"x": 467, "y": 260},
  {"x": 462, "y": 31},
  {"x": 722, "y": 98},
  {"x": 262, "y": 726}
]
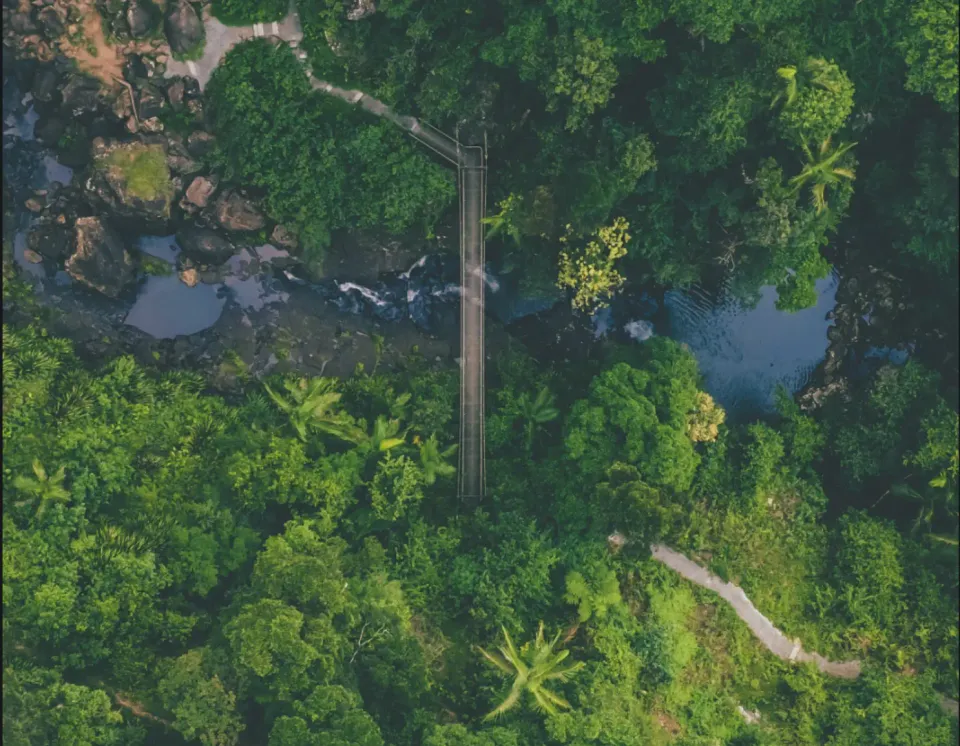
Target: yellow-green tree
[{"x": 592, "y": 275}]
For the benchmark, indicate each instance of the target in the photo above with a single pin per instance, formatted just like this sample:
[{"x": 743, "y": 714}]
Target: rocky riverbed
[{"x": 186, "y": 268}]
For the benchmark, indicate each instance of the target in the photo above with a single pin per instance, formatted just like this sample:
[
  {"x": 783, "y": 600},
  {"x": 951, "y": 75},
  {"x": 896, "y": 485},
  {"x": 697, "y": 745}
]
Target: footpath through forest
[
  {"x": 772, "y": 638},
  {"x": 471, "y": 166}
]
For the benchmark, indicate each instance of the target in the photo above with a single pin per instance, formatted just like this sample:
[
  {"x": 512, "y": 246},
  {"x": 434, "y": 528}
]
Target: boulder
[
  {"x": 178, "y": 159},
  {"x": 131, "y": 179},
  {"x": 183, "y": 27},
  {"x": 238, "y": 213},
  {"x": 45, "y": 82},
  {"x": 140, "y": 17},
  {"x": 134, "y": 69},
  {"x": 49, "y": 130},
  {"x": 150, "y": 101},
  {"x": 204, "y": 246},
  {"x": 81, "y": 95},
  {"x": 201, "y": 189},
  {"x": 22, "y": 23},
  {"x": 200, "y": 143},
  {"x": 195, "y": 110},
  {"x": 100, "y": 260},
  {"x": 176, "y": 90},
  {"x": 283, "y": 237},
  {"x": 51, "y": 23},
  {"x": 51, "y": 240}
]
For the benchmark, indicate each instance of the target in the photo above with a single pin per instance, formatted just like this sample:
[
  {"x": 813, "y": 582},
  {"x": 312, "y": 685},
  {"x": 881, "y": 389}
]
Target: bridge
[{"x": 471, "y": 164}]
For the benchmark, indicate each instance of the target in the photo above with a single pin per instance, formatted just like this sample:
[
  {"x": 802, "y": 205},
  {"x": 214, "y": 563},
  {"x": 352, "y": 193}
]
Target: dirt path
[{"x": 772, "y": 638}]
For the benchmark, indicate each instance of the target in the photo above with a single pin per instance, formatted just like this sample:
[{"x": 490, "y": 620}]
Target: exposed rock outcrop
[
  {"x": 141, "y": 17},
  {"x": 238, "y": 213},
  {"x": 200, "y": 190},
  {"x": 183, "y": 27},
  {"x": 131, "y": 179},
  {"x": 100, "y": 260}
]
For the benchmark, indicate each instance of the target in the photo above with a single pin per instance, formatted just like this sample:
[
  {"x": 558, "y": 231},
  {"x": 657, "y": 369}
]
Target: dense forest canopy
[{"x": 286, "y": 563}]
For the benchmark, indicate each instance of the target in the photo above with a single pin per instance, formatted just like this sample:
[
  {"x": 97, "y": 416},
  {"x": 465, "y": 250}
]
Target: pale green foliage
[
  {"x": 433, "y": 461},
  {"x": 202, "y": 706},
  {"x": 267, "y": 645},
  {"x": 592, "y": 274},
  {"x": 930, "y": 46},
  {"x": 822, "y": 170},
  {"x": 817, "y": 99},
  {"x": 310, "y": 404},
  {"x": 532, "y": 668},
  {"x": 397, "y": 485},
  {"x": 45, "y": 490},
  {"x": 536, "y": 412},
  {"x": 586, "y": 73},
  {"x": 703, "y": 424},
  {"x": 593, "y": 597}
]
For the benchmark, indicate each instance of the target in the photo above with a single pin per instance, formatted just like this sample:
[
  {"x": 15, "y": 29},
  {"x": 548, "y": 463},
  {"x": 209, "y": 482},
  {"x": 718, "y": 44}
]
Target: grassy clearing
[{"x": 143, "y": 168}]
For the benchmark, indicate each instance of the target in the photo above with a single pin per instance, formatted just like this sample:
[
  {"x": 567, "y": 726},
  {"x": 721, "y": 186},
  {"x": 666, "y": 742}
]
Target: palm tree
[
  {"x": 820, "y": 169},
  {"x": 40, "y": 487},
  {"x": 817, "y": 71},
  {"x": 504, "y": 220},
  {"x": 434, "y": 461},
  {"x": 536, "y": 413},
  {"x": 531, "y": 668},
  {"x": 311, "y": 404},
  {"x": 384, "y": 435}
]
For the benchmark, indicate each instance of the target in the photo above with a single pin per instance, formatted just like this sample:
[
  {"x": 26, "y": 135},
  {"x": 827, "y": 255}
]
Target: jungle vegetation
[{"x": 287, "y": 563}]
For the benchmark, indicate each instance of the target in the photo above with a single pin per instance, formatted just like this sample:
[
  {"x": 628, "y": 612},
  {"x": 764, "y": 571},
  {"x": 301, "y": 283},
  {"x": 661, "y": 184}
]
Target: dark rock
[
  {"x": 150, "y": 101},
  {"x": 134, "y": 69},
  {"x": 201, "y": 189},
  {"x": 22, "y": 23},
  {"x": 191, "y": 87},
  {"x": 204, "y": 246},
  {"x": 200, "y": 143},
  {"x": 81, "y": 95},
  {"x": 51, "y": 23},
  {"x": 237, "y": 213},
  {"x": 196, "y": 110},
  {"x": 100, "y": 260},
  {"x": 45, "y": 84},
  {"x": 141, "y": 16},
  {"x": 284, "y": 238},
  {"x": 51, "y": 240},
  {"x": 175, "y": 93},
  {"x": 183, "y": 27},
  {"x": 49, "y": 130}
]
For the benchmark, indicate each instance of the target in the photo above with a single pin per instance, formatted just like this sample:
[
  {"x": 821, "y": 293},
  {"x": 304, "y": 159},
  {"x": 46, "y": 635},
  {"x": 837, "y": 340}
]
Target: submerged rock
[
  {"x": 100, "y": 260},
  {"x": 81, "y": 95},
  {"x": 205, "y": 246}
]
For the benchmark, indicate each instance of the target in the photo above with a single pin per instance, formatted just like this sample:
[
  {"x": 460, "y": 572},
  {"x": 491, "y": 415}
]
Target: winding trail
[
  {"x": 771, "y": 638},
  {"x": 471, "y": 165}
]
